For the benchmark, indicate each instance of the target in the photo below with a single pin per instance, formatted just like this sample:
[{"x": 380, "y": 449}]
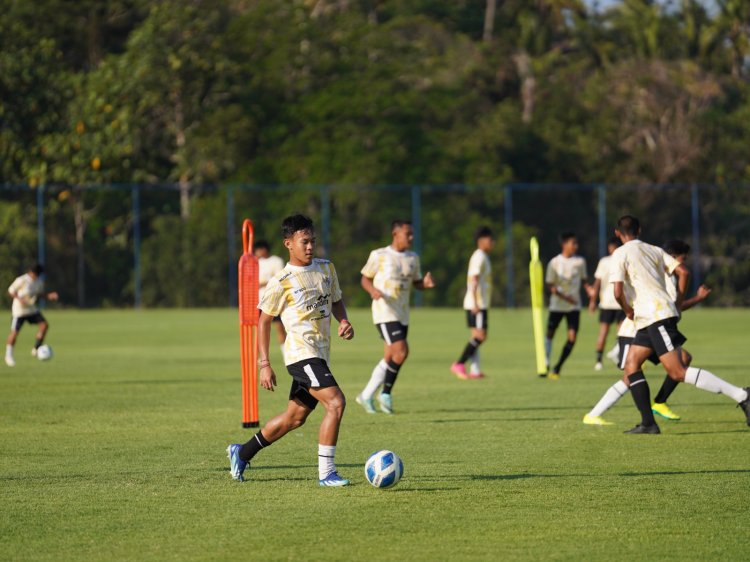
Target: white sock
[
  {"x": 376, "y": 379},
  {"x": 615, "y": 349},
  {"x": 705, "y": 380},
  {"x": 610, "y": 398},
  {"x": 9, "y": 351},
  {"x": 547, "y": 348},
  {"x": 474, "y": 369},
  {"x": 326, "y": 465}
]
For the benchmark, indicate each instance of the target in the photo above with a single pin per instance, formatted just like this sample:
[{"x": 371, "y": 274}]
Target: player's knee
[
  {"x": 336, "y": 406},
  {"x": 686, "y": 358},
  {"x": 677, "y": 374},
  {"x": 296, "y": 420},
  {"x": 480, "y": 335}
]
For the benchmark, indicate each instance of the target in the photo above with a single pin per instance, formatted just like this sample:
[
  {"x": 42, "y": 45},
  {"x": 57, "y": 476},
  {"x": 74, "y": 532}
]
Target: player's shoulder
[{"x": 324, "y": 264}]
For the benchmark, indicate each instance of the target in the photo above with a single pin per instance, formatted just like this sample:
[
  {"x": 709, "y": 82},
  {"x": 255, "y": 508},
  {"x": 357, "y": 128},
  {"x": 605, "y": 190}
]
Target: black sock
[
  {"x": 38, "y": 343},
  {"x": 666, "y": 390},
  {"x": 251, "y": 448},
  {"x": 599, "y": 356},
  {"x": 641, "y": 397},
  {"x": 469, "y": 350},
  {"x": 564, "y": 355},
  {"x": 391, "y": 373}
]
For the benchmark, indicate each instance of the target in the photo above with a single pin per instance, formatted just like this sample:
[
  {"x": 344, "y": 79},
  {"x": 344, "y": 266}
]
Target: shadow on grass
[
  {"x": 519, "y": 409},
  {"x": 475, "y": 420},
  {"x": 684, "y": 472}
]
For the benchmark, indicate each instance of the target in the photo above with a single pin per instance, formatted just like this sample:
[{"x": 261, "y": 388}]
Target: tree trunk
[
  {"x": 489, "y": 20},
  {"x": 79, "y": 218},
  {"x": 528, "y": 84}
]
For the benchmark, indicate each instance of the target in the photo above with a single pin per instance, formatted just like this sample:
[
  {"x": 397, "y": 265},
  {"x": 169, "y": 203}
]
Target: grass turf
[{"x": 115, "y": 450}]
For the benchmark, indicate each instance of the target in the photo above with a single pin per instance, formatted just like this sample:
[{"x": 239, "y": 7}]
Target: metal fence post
[
  {"x": 231, "y": 248},
  {"x": 40, "y": 242},
  {"x": 602, "y": 192},
  {"x": 136, "y": 192},
  {"x": 416, "y": 222},
  {"x": 510, "y": 288},
  {"x": 695, "y": 208},
  {"x": 325, "y": 218}
]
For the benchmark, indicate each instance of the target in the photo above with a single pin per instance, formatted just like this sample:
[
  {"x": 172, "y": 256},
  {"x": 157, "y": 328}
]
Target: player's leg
[
  {"x": 614, "y": 353},
  {"x": 299, "y": 407},
  {"x": 15, "y": 327},
  {"x": 395, "y": 356},
  {"x": 572, "y": 321},
  {"x": 601, "y": 338},
  {"x": 334, "y": 402},
  {"x": 553, "y": 321},
  {"x": 637, "y": 355},
  {"x": 479, "y": 335},
  {"x": 42, "y": 329},
  {"x": 377, "y": 378},
  {"x": 705, "y": 380},
  {"x": 660, "y": 406},
  {"x": 478, "y": 328},
  {"x": 613, "y": 393}
]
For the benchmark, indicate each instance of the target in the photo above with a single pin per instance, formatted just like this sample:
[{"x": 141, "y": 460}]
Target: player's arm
[
  {"x": 427, "y": 282},
  {"x": 52, "y": 296},
  {"x": 700, "y": 295},
  {"x": 683, "y": 276},
  {"x": 474, "y": 288},
  {"x": 346, "y": 330},
  {"x": 555, "y": 290},
  {"x": 620, "y": 298},
  {"x": 369, "y": 286},
  {"x": 593, "y": 292},
  {"x": 267, "y": 376}
]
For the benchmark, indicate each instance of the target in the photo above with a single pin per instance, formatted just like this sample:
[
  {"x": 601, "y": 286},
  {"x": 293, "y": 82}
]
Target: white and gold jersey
[
  {"x": 393, "y": 274},
  {"x": 303, "y": 296},
  {"x": 267, "y": 268},
  {"x": 567, "y": 274},
  {"x": 643, "y": 269},
  {"x": 28, "y": 290},
  {"x": 607, "y": 299},
  {"x": 479, "y": 266}
]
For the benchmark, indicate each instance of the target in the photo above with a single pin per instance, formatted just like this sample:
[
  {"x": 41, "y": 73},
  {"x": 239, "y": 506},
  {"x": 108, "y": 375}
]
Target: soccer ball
[
  {"x": 384, "y": 469},
  {"x": 44, "y": 353}
]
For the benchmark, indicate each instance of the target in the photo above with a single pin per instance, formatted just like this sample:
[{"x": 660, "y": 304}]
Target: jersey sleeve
[
  {"x": 273, "y": 298},
  {"x": 670, "y": 263},
  {"x": 475, "y": 264},
  {"x": 617, "y": 270},
  {"x": 371, "y": 267},
  {"x": 600, "y": 273},
  {"x": 551, "y": 276},
  {"x": 16, "y": 285},
  {"x": 417, "y": 269},
  {"x": 336, "y": 294}
]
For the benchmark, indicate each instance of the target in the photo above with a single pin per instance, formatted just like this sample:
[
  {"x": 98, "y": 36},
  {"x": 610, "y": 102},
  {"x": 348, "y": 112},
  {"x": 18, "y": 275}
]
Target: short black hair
[
  {"x": 615, "y": 241},
  {"x": 398, "y": 223},
  {"x": 295, "y": 223},
  {"x": 677, "y": 248},
  {"x": 483, "y": 232},
  {"x": 262, "y": 244},
  {"x": 567, "y": 235},
  {"x": 37, "y": 268},
  {"x": 628, "y": 225}
]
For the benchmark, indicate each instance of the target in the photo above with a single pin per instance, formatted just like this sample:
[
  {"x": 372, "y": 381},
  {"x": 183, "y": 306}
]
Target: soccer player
[
  {"x": 641, "y": 267},
  {"x": 609, "y": 310},
  {"x": 268, "y": 266},
  {"x": 25, "y": 292},
  {"x": 305, "y": 294},
  {"x": 477, "y": 303},
  {"x": 566, "y": 272},
  {"x": 388, "y": 277},
  {"x": 679, "y": 250}
]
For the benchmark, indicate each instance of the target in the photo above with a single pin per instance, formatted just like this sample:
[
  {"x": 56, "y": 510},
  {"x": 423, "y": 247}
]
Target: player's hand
[
  {"x": 376, "y": 295},
  {"x": 590, "y": 291},
  {"x": 346, "y": 330},
  {"x": 703, "y": 292},
  {"x": 53, "y": 296},
  {"x": 428, "y": 282},
  {"x": 476, "y": 310},
  {"x": 267, "y": 377},
  {"x": 630, "y": 313}
]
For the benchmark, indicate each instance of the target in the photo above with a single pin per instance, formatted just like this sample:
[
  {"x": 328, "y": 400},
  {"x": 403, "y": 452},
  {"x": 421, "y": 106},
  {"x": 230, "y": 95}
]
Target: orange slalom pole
[{"x": 248, "y": 284}]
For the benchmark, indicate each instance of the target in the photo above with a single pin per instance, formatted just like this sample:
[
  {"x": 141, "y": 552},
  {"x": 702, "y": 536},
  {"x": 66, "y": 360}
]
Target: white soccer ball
[
  {"x": 44, "y": 353},
  {"x": 384, "y": 469}
]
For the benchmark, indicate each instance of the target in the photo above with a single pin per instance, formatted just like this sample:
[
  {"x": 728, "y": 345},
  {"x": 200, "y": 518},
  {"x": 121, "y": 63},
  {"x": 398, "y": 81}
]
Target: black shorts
[
  {"x": 625, "y": 344},
  {"x": 391, "y": 332},
  {"x": 480, "y": 320},
  {"x": 276, "y": 319},
  {"x": 610, "y": 316},
  {"x": 18, "y": 321},
  {"x": 662, "y": 336},
  {"x": 572, "y": 318},
  {"x": 306, "y": 374}
]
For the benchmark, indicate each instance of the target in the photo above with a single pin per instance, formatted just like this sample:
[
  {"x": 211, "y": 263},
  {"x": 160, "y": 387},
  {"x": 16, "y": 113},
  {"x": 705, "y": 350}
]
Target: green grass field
[{"x": 114, "y": 450}]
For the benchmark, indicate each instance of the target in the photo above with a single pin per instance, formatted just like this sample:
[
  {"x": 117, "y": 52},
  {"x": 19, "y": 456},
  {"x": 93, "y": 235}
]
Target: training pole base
[{"x": 250, "y": 424}]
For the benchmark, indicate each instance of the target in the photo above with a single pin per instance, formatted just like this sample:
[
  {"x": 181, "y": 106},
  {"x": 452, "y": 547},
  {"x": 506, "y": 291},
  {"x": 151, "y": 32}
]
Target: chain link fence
[{"x": 177, "y": 246}]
